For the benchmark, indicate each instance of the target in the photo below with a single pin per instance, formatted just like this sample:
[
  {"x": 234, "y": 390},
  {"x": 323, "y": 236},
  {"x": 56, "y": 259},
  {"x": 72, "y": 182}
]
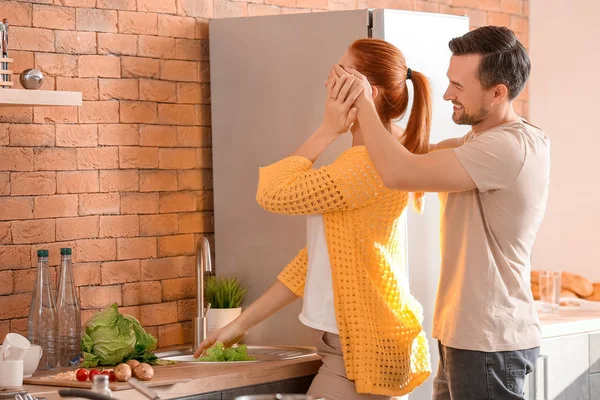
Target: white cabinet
[{"x": 562, "y": 371}]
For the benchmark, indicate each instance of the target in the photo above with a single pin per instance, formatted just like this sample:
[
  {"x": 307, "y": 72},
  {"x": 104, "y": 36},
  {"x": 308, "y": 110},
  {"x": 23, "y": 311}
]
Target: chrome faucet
[{"x": 203, "y": 265}]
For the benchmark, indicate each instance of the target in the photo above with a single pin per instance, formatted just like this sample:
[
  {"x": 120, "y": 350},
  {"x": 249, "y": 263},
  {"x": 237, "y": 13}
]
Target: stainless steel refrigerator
[{"x": 268, "y": 96}]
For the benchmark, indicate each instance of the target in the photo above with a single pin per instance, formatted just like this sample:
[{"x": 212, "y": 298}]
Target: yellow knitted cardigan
[{"x": 385, "y": 349}]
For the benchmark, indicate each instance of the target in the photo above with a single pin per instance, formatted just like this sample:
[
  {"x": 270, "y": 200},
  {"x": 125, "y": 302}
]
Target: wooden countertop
[{"x": 208, "y": 378}]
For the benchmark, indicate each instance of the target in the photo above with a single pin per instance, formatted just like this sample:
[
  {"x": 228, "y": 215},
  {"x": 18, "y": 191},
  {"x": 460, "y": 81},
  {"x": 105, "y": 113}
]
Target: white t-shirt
[
  {"x": 318, "y": 310},
  {"x": 484, "y": 299}
]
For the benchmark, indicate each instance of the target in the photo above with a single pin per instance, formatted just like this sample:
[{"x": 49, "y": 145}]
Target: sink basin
[{"x": 261, "y": 353}]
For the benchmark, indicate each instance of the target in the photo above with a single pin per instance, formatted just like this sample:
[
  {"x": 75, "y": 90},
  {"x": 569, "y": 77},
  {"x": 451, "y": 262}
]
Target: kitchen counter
[
  {"x": 570, "y": 321},
  {"x": 208, "y": 378}
]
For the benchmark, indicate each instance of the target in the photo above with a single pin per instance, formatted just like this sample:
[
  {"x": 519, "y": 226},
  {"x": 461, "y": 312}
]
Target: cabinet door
[
  {"x": 567, "y": 375},
  {"x": 595, "y": 386},
  {"x": 290, "y": 386},
  {"x": 594, "y": 353}
]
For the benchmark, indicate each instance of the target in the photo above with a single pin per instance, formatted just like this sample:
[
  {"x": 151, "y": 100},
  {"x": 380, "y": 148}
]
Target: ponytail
[{"x": 419, "y": 123}]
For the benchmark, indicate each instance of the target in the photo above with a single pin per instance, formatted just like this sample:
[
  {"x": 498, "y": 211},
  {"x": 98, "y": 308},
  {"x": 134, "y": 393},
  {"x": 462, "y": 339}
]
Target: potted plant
[{"x": 225, "y": 296}]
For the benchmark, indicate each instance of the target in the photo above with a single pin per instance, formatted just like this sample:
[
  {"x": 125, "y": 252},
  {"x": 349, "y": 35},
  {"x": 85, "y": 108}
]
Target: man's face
[{"x": 471, "y": 101}]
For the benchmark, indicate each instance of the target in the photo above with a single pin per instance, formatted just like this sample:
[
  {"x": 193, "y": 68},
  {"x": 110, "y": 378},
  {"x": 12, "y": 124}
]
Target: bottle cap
[
  {"x": 42, "y": 253},
  {"x": 65, "y": 251}
]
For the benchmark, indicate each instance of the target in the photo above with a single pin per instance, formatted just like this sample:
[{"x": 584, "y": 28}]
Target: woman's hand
[
  {"x": 228, "y": 335},
  {"x": 340, "y": 113},
  {"x": 360, "y": 84}
]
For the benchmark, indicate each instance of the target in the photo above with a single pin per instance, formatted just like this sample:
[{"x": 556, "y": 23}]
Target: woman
[{"x": 351, "y": 274}]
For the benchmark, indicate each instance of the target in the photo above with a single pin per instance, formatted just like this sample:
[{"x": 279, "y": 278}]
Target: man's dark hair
[{"x": 504, "y": 60}]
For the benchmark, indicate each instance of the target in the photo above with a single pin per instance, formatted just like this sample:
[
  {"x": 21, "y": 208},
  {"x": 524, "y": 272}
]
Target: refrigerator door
[
  {"x": 268, "y": 96},
  {"x": 423, "y": 39}
]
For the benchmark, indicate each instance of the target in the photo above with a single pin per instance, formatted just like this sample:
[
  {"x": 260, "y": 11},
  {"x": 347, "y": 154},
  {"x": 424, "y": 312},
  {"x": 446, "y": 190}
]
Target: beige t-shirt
[{"x": 484, "y": 300}]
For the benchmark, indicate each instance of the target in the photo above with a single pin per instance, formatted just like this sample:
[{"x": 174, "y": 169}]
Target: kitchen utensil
[
  {"x": 14, "y": 347},
  {"x": 11, "y": 374},
  {"x": 31, "y": 78},
  {"x": 143, "y": 389},
  {"x": 31, "y": 360},
  {"x": 5, "y": 46},
  {"x": 84, "y": 394}
]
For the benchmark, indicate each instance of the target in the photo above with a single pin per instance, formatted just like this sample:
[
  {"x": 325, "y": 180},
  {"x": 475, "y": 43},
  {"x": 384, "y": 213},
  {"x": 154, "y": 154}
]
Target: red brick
[
  {"x": 17, "y": 114},
  {"x": 118, "y": 134},
  {"x": 187, "y": 266},
  {"x": 102, "y": 203},
  {"x": 21, "y": 59},
  {"x": 156, "y": 47},
  {"x": 196, "y": 223},
  {"x": 194, "y": 180},
  {"x": 76, "y": 3},
  {"x": 512, "y": 6},
  {"x": 28, "y": 183},
  {"x": 98, "y": 158},
  {"x": 121, "y": 89},
  {"x": 31, "y": 135},
  {"x": 75, "y": 42},
  {"x": 120, "y": 272},
  {"x": 113, "y": 43},
  {"x": 193, "y": 136},
  {"x": 138, "y": 157},
  {"x": 6, "y": 236},
  {"x": 176, "y": 114},
  {"x": 96, "y": 250},
  {"x": 153, "y": 90},
  {"x": 201, "y": 28},
  {"x": 57, "y": 115},
  {"x": 186, "y": 309},
  {"x": 17, "y": 305},
  {"x": 175, "y": 26},
  {"x": 158, "y": 225},
  {"x": 119, "y": 226},
  {"x": 96, "y": 20},
  {"x": 12, "y": 208},
  {"x": 141, "y": 293},
  {"x": 119, "y": 181},
  {"x": 519, "y": 24},
  {"x": 99, "y": 112},
  {"x": 175, "y": 334},
  {"x": 176, "y": 245},
  {"x": 139, "y": 111},
  {"x": 6, "y": 283},
  {"x": 52, "y": 17},
  {"x": 178, "y": 289},
  {"x": 205, "y": 201},
  {"x": 20, "y": 14},
  {"x": 158, "y": 135},
  {"x": 203, "y": 115},
  {"x": 87, "y": 86},
  {"x": 15, "y": 257},
  {"x": 99, "y": 296},
  {"x": 263, "y": 9},
  {"x": 134, "y": 67},
  {"x": 230, "y": 9},
  {"x": 77, "y": 228},
  {"x": 158, "y": 181},
  {"x": 131, "y": 311},
  {"x": 158, "y": 314},
  {"x": 4, "y": 134},
  {"x": 163, "y": 7},
  {"x": 523, "y": 38},
  {"x": 184, "y": 71},
  {"x": 117, "y": 4},
  {"x": 55, "y": 159},
  {"x": 76, "y": 135},
  {"x": 4, "y": 183},
  {"x": 129, "y": 248},
  {"x": 35, "y": 231},
  {"x": 54, "y": 252},
  {"x": 56, "y": 64},
  {"x": 77, "y": 182},
  {"x": 139, "y": 203},
  {"x": 204, "y": 158},
  {"x": 160, "y": 268},
  {"x": 99, "y": 66},
  {"x": 177, "y": 158},
  {"x": 189, "y": 93},
  {"x": 19, "y": 326},
  {"x": 193, "y": 8},
  {"x": 87, "y": 274},
  {"x": 55, "y": 206},
  {"x": 138, "y": 23},
  {"x": 16, "y": 159},
  {"x": 191, "y": 49},
  {"x": 24, "y": 280},
  {"x": 34, "y": 39}
]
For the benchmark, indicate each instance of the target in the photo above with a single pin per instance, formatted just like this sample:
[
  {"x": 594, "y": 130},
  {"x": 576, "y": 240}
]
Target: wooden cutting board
[{"x": 42, "y": 378}]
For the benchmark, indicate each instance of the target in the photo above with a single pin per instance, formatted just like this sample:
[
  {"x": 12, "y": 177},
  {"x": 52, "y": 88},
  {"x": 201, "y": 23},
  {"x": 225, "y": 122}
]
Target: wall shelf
[{"x": 23, "y": 97}]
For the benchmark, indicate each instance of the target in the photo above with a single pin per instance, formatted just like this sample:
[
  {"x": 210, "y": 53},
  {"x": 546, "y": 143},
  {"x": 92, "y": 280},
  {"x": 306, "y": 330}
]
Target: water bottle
[
  {"x": 41, "y": 325},
  {"x": 68, "y": 314}
]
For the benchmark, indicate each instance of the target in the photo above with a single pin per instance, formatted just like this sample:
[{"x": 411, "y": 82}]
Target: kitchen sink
[{"x": 261, "y": 353}]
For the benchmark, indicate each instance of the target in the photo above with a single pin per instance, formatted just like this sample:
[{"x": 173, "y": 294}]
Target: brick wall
[{"x": 125, "y": 179}]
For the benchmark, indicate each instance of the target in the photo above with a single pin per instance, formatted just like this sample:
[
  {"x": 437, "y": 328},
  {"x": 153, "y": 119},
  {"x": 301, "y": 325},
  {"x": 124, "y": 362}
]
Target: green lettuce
[
  {"x": 220, "y": 353},
  {"x": 111, "y": 338}
]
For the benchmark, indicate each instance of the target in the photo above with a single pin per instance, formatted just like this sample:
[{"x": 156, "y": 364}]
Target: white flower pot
[{"x": 217, "y": 318}]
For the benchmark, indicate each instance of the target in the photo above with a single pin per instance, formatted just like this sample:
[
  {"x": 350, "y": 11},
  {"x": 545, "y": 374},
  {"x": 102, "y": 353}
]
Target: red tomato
[
  {"x": 112, "y": 377},
  {"x": 93, "y": 373},
  {"x": 82, "y": 374}
]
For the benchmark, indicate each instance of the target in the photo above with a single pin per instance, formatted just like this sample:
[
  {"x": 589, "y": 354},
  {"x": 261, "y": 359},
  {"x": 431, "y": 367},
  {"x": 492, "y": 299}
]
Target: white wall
[{"x": 563, "y": 96}]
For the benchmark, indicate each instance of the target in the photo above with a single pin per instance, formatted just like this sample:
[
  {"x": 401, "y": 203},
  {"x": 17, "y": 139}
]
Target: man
[{"x": 494, "y": 184}]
